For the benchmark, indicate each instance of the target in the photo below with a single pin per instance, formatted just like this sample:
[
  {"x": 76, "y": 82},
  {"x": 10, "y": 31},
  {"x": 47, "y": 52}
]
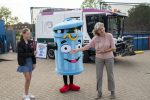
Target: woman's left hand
[
  {"x": 73, "y": 51},
  {"x": 101, "y": 52},
  {"x": 34, "y": 66},
  {"x": 35, "y": 53}
]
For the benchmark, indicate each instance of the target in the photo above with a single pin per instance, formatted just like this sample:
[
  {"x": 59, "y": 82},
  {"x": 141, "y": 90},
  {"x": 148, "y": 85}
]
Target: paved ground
[{"x": 132, "y": 76}]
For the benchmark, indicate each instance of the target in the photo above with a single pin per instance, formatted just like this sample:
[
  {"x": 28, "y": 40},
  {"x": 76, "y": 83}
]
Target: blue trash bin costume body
[{"x": 68, "y": 36}]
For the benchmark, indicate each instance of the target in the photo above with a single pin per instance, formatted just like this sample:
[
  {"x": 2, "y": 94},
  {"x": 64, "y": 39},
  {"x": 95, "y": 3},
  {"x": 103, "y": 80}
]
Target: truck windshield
[
  {"x": 91, "y": 20},
  {"x": 115, "y": 25}
]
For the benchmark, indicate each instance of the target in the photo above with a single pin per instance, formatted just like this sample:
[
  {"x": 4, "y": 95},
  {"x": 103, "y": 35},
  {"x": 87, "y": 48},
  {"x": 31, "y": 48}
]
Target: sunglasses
[{"x": 25, "y": 32}]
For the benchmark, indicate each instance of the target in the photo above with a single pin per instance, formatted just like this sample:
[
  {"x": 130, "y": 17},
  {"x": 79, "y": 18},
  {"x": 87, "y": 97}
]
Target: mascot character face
[{"x": 69, "y": 42}]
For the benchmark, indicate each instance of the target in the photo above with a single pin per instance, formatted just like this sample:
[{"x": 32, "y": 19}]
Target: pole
[{"x": 32, "y": 21}]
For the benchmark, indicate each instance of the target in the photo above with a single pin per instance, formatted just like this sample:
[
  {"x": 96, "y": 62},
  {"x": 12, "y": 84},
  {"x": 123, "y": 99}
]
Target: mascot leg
[
  {"x": 72, "y": 86},
  {"x": 65, "y": 88}
]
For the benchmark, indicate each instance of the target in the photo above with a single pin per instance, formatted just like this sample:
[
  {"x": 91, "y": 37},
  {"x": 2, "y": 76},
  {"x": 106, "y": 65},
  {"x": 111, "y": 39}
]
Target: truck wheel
[
  {"x": 86, "y": 56},
  {"x": 51, "y": 54}
]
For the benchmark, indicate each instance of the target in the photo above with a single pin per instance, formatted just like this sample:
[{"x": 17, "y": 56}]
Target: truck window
[
  {"x": 91, "y": 20},
  {"x": 115, "y": 25},
  {"x": 76, "y": 18}
]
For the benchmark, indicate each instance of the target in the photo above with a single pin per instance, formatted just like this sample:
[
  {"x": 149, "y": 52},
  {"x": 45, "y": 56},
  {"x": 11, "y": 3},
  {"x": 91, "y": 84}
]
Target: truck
[{"x": 113, "y": 22}]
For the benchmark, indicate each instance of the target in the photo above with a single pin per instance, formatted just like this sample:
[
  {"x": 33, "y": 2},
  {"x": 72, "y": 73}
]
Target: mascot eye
[
  {"x": 78, "y": 46},
  {"x": 76, "y": 30},
  {"x": 59, "y": 31},
  {"x": 79, "y": 30},
  {"x": 65, "y": 48}
]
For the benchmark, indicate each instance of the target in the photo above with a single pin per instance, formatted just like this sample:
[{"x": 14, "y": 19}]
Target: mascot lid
[{"x": 68, "y": 23}]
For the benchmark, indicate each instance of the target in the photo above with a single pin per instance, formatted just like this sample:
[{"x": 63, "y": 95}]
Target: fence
[{"x": 141, "y": 41}]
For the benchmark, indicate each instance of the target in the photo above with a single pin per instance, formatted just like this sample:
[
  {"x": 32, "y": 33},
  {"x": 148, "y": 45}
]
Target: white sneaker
[
  {"x": 26, "y": 97},
  {"x": 31, "y": 96}
]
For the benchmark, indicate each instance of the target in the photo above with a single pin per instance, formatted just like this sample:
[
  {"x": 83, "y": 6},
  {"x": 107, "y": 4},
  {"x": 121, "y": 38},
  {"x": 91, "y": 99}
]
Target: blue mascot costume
[{"x": 68, "y": 36}]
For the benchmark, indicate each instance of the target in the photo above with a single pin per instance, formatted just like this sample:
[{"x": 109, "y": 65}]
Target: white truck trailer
[{"x": 114, "y": 23}]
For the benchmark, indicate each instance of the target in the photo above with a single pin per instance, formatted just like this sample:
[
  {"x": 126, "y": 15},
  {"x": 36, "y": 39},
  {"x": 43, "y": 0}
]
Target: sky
[{"x": 21, "y": 8}]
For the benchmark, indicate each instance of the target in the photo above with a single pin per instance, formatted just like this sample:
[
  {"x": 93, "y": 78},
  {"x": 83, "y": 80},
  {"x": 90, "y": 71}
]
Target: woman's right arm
[{"x": 86, "y": 47}]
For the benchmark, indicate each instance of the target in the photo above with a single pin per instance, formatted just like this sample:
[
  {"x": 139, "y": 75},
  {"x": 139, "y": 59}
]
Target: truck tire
[
  {"x": 86, "y": 56},
  {"x": 51, "y": 54}
]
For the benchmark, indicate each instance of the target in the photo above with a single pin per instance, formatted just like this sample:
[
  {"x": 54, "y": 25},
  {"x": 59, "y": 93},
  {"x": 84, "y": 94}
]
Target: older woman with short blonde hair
[{"x": 104, "y": 45}]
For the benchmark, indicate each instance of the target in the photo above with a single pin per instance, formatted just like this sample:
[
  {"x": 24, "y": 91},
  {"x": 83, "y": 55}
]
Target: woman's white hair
[{"x": 96, "y": 27}]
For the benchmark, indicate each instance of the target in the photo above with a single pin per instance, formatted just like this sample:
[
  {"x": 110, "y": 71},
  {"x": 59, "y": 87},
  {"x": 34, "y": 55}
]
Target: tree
[
  {"x": 5, "y": 14},
  {"x": 88, "y": 4},
  {"x": 99, "y": 4},
  {"x": 138, "y": 18},
  {"x": 14, "y": 20},
  {"x": 20, "y": 23}
]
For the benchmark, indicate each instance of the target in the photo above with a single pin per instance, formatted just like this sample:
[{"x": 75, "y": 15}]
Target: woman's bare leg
[{"x": 27, "y": 76}]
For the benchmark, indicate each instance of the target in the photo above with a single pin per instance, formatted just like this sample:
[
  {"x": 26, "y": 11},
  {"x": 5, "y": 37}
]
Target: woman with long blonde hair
[{"x": 26, "y": 59}]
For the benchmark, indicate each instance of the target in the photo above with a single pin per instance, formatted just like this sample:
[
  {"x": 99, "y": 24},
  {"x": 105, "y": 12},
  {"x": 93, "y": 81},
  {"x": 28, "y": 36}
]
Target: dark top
[{"x": 25, "y": 51}]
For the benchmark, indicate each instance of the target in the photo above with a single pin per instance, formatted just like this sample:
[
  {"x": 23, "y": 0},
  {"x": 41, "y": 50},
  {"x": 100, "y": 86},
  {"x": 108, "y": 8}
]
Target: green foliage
[
  {"x": 89, "y": 4},
  {"x": 5, "y": 14},
  {"x": 17, "y": 35},
  {"x": 139, "y": 18},
  {"x": 14, "y": 20},
  {"x": 99, "y": 4}
]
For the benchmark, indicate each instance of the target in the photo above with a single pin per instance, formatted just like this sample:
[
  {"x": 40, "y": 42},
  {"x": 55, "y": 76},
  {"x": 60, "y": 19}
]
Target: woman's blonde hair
[{"x": 96, "y": 28}]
